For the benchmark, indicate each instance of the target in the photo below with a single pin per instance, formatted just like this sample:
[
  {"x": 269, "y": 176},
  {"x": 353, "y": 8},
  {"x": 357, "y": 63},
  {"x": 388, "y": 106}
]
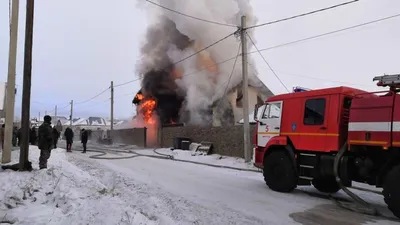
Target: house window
[{"x": 314, "y": 112}]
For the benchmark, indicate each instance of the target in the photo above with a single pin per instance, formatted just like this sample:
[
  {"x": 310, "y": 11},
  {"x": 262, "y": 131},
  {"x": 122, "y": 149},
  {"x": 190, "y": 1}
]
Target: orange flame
[
  {"x": 147, "y": 108},
  {"x": 139, "y": 97}
]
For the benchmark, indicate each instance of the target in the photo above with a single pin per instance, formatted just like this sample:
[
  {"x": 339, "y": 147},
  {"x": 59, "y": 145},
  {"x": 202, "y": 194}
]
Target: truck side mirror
[{"x": 255, "y": 115}]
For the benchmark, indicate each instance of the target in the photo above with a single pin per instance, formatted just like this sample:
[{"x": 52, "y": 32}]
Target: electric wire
[
  {"x": 288, "y": 44},
  {"x": 303, "y": 14},
  {"x": 192, "y": 17},
  {"x": 230, "y": 76},
  {"x": 327, "y": 33},
  {"x": 266, "y": 62},
  {"x": 90, "y": 99},
  {"x": 185, "y": 58}
]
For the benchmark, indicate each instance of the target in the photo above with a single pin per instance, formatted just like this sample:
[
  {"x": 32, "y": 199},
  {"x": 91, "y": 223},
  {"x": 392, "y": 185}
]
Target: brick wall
[{"x": 227, "y": 140}]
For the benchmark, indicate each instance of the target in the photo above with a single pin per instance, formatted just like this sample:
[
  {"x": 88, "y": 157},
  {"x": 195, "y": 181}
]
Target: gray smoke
[{"x": 171, "y": 37}]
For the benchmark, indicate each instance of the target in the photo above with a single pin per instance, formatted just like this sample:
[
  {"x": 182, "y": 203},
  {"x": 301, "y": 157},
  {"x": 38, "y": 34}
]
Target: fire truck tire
[
  {"x": 279, "y": 172},
  {"x": 326, "y": 185},
  {"x": 391, "y": 190}
]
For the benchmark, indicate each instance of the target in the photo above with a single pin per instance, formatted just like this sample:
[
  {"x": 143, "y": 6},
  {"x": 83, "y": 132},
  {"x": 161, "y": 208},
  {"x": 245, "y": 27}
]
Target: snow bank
[{"x": 62, "y": 194}]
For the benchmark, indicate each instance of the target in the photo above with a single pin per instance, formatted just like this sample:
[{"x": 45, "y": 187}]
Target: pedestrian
[
  {"x": 56, "y": 136},
  {"x": 14, "y": 137},
  {"x": 2, "y": 135},
  {"x": 45, "y": 141},
  {"x": 69, "y": 137},
  {"x": 84, "y": 139},
  {"x": 19, "y": 136},
  {"x": 33, "y": 136}
]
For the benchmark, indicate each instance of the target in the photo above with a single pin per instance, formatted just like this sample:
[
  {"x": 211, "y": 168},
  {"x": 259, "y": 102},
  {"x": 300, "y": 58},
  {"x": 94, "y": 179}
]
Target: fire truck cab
[{"x": 330, "y": 137}]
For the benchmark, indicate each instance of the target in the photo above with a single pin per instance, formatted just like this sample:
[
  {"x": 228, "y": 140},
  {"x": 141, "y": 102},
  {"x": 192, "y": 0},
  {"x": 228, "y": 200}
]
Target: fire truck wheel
[
  {"x": 326, "y": 185},
  {"x": 279, "y": 172},
  {"x": 391, "y": 190}
]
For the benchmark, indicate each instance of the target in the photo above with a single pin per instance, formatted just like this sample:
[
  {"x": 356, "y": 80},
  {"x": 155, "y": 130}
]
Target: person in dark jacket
[
  {"x": 45, "y": 141},
  {"x": 33, "y": 136},
  {"x": 56, "y": 136},
  {"x": 84, "y": 139},
  {"x": 14, "y": 137},
  {"x": 19, "y": 136},
  {"x": 69, "y": 136}
]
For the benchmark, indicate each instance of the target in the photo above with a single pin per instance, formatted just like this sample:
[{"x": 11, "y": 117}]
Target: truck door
[
  {"x": 314, "y": 128},
  {"x": 269, "y": 125}
]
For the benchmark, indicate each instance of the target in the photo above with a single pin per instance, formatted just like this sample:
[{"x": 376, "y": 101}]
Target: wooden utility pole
[
  {"x": 72, "y": 111},
  {"x": 26, "y": 93},
  {"x": 246, "y": 123},
  {"x": 10, "y": 95},
  {"x": 112, "y": 108}
]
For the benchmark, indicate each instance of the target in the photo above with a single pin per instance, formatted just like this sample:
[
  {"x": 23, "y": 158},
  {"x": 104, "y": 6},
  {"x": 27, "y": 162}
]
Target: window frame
[
  {"x": 268, "y": 107},
  {"x": 324, "y": 112}
]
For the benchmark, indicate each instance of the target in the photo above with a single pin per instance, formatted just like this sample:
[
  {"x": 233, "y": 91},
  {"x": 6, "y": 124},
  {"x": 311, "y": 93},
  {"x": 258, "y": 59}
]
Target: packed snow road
[{"x": 195, "y": 194}]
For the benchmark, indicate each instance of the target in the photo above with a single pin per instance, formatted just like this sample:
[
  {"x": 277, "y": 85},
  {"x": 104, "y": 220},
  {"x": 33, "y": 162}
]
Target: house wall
[{"x": 237, "y": 107}]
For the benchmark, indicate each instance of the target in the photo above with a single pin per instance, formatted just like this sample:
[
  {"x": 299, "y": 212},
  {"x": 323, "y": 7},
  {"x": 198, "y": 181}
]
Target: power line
[
  {"x": 90, "y": 99},
  {"x": 284, "y": 44},
  {"x": 266, "y": 62},
  {"x": 303, "y": 14},
  {"x": 230, "y": 76},
  {"x": 328, "y": 33},
  {"x": 185, "y": 58},
  {"x": 192, "y": 17}
]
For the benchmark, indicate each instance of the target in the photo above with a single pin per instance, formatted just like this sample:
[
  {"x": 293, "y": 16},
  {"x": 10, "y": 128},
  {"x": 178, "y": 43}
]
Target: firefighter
[
  {"x": 56, "y": 136},
  {"x": 45, "y": 141},
  {"x": 84, "y": 139},
  {"x": 69, "y": 137}
]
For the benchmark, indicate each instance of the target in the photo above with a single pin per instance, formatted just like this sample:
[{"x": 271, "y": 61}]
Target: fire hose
[
  {"x": 360, "y": 206},
  {"x": 158, "y": 156}
]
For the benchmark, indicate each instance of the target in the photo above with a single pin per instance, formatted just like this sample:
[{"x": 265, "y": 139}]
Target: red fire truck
[{"x": 330, "y": 137}]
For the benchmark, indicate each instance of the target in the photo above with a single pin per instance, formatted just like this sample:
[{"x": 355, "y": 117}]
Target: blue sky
[{"x": 80, "y": 46}]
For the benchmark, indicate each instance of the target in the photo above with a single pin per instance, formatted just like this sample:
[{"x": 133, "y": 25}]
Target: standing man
[
  {"x": 69, "y": 136},
  {"x": 56, "y": 136},
  {"x": 33, "y": 136},
  {"x": 84, "y": 139},
  {"x": 45, "y": 141}
]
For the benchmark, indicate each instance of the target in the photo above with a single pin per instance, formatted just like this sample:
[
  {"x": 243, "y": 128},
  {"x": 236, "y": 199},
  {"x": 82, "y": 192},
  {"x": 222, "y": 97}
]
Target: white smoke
[{"x": 201, "y": 90}]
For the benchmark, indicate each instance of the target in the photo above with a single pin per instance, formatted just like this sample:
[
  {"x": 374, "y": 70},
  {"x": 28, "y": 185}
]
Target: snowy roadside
[
  {"x": 62, "y": 194},
  {"x": 191, "y": 155}
]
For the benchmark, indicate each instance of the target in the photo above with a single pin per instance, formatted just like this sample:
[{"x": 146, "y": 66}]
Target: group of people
[{"x": 46, "y": 138}]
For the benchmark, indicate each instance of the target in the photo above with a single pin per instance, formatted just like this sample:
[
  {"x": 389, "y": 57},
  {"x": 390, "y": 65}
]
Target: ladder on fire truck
[{"x": 388, "y": 80}]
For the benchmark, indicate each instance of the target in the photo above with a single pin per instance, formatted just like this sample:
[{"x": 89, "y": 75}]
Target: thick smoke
[{"x": 172, "y": 37}]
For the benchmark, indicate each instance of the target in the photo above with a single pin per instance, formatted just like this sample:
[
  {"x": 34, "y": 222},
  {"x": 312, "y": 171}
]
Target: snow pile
[{"x": 62, "y": 194}]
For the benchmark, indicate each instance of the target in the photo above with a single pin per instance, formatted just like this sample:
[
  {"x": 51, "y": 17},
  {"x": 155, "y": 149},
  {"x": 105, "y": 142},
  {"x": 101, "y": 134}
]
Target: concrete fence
[{"x": 227, "y": 140}]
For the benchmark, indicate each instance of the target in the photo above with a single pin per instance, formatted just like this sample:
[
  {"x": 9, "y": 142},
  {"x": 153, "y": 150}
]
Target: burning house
[{"x": 195, "y": 90}]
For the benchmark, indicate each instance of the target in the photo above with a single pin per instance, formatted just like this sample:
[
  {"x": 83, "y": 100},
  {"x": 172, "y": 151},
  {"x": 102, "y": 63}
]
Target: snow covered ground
[
  {"x": 62, "y": 194},
  {"x": 77, "y": 189}
]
